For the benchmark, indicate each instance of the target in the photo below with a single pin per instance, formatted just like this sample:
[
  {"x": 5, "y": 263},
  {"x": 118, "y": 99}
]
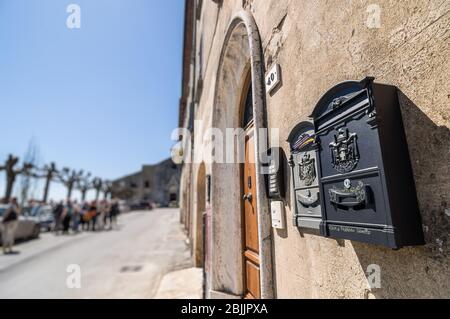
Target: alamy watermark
[
  {"x": 373, "y": 273},
  {"x": 74, "y": 19},
  {"x": 226, "y": 146},
  {"x": 73, "y": 280},
  {"x": 374, "y": 16}
]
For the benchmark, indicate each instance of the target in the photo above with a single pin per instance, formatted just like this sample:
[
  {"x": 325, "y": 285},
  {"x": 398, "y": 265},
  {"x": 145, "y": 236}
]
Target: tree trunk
[
  {"x": 9, "y": 188},
  {"x": 69, "y": 192},
  {"x": 46, "y": 189},
  {"x": 83, "y": 195}
]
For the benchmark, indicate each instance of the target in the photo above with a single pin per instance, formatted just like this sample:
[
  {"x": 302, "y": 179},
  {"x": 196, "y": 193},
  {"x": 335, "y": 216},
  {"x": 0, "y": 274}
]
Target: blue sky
[{"x": 103, "y": 98}]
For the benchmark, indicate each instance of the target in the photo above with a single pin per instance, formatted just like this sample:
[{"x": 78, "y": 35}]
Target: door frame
[{"x": 241, "y": 44}]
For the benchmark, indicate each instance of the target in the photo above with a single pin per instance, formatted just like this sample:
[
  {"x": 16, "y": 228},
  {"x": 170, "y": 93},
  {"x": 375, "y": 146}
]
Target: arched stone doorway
[{"x": 241, "y": 55}]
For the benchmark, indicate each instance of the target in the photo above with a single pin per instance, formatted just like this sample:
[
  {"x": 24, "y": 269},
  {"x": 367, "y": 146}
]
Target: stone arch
[{"x": 241, "y": 53}]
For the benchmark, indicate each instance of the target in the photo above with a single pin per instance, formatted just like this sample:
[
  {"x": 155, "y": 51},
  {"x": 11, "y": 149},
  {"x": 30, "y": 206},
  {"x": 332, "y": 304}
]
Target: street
[{"x": 146, "y": 257}]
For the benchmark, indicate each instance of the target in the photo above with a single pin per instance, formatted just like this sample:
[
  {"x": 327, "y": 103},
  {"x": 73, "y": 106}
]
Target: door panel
[
  {"x": 250, "y": 219},
  {"x": 252, "y": 274}
]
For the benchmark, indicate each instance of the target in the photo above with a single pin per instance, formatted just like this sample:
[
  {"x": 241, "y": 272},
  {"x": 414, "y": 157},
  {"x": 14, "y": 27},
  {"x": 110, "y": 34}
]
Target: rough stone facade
[
  {"x": 318, "y": 44},
  {"x": 154, "y": 183}
]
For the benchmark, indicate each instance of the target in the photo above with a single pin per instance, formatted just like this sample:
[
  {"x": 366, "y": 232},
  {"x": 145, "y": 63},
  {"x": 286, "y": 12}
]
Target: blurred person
[
  {"x": 76, "y": 216},
  {"x": 9, "y": 225},
  {"x": 101, "y": 215},
  {"x": 67, "y": 216},
  {"x": 93, "y": 215},
  {"x": 58, "y": 211},
  {"x": 114, "y": 213},
  {"x": 106, "y": 218},
  {"x": 84, "y": 216}
]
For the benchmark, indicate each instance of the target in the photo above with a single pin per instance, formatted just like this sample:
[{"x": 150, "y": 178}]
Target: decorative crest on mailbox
[
  {"x": 344, "y": 151},
  {"x": 307, "y": 169}
]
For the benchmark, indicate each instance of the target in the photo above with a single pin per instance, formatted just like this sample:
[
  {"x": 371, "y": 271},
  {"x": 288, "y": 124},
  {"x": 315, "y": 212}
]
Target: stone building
[
  {"x": 229, "y": 46},
  {"x": 154, "y": 183}
]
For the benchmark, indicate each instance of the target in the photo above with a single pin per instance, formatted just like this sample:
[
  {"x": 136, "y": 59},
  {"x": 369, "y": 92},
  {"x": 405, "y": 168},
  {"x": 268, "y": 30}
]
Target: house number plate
[{"x": 273, "y": 78}]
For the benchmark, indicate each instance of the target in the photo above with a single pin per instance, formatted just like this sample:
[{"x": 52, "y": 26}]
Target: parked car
[
  {"x": 27, "y": 227},
  {"x": 42, "y": 215},
  {"x": 142, "y": 205},
  {"x": 123, "y": 207}
]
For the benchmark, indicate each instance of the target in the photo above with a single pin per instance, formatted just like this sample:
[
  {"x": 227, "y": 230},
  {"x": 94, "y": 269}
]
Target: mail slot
[
  {"x": 305, "y": 177},
  {"x": 365, "y": 175}
]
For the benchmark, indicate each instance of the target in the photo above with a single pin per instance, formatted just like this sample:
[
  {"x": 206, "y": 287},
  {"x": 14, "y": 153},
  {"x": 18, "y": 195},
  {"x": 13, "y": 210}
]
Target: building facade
[
  {"x": 230, "y": 47},
  {"x": 158, "y": 184}
]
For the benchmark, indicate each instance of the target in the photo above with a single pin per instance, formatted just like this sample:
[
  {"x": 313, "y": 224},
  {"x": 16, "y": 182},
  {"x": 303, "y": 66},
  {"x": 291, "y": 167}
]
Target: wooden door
[{"x": 250, "y": 223}]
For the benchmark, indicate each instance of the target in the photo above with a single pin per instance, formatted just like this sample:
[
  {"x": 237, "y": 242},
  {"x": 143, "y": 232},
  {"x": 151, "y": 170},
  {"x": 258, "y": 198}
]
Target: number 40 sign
[{"x": 273, "y": 78}]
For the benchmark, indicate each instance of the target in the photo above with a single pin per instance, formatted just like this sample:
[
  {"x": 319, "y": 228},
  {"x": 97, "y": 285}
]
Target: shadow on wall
[{"x": 419, "y": 271}]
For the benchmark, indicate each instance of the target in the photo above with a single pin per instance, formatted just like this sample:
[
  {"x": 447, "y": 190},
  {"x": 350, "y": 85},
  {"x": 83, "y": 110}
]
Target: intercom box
[
  {"x": 275, "y": 177},
  {"x": 278, "y": 214}
]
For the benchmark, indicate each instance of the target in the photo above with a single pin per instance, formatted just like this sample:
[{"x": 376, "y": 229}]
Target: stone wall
[
  {"x": 319, "y": 44},
  {"x": 155, "y": 183}
]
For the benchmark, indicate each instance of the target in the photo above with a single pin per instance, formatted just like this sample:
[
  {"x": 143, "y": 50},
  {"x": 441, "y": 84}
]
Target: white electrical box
[{"x": 278, "y": 215}]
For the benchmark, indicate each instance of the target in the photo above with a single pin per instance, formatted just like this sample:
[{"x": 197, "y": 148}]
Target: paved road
[{"x": 126, "y": 263}]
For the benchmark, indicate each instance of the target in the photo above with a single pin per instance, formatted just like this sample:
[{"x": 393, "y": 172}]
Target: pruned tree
[
  {"x": 27, "y": 175},
  {"x": 49, "y": 172},
  {"x": 11, "y": 174},
  {"x": 2, "y": 168},
  {"x": 97, "y": 184},
  {"x": 31, "y": 158},
  {"x": 84, "y": 184},
  {"x": 69, "y": 178}
]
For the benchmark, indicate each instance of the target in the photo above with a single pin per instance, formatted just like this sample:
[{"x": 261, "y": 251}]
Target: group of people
[
  {"x": 67, "y": 216},
  {"x": 86, "y": 216}
]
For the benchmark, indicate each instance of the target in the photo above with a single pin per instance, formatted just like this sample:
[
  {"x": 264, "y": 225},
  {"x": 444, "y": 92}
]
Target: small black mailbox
[
  {"x": 366, "y": 181},
  {"x": 305, "y": 178}
]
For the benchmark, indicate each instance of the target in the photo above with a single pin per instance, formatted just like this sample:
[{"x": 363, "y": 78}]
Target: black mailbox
[
  {"x": 305, "y": 178},
  {"x": 366, "y": 181}
]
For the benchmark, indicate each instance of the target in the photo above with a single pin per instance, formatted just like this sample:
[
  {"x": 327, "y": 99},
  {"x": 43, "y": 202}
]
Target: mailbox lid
[{"x": 341, "y": 100}]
